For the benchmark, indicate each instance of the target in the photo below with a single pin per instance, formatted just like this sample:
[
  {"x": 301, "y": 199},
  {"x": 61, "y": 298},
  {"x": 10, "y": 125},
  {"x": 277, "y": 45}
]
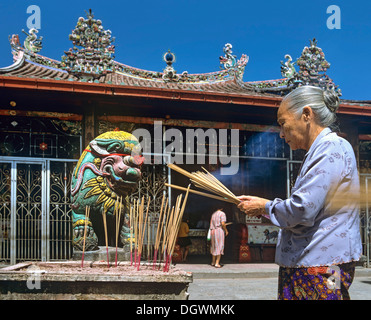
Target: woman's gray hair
[{"x": 324, "y": 104}]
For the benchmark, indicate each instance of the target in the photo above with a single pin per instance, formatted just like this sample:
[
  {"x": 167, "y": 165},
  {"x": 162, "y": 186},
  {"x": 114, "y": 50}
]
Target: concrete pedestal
[
  {"x": 95, "y": 281},
  {"x": 101, "y": 254}
]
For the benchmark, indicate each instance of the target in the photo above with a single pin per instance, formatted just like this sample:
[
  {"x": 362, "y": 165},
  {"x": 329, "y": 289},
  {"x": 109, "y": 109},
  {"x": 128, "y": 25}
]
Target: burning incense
[
  {"x": 135, "y": 225},
  {"x": 148, "y": 236},
  {"x": 117, "y": 213},
  {"x": 87, "y": 213},
  {"x": 159, "y": 231},
  {"x": 142, "y": 230},
  {"x": 205, "y": 180},
  {"x": 131, "y": 234},
  {"x": 174, "y": 227},
  {"x": 167, "y": 215},
  {"x": 169, "y": 218},
  {"x": 105, "y": 234}
]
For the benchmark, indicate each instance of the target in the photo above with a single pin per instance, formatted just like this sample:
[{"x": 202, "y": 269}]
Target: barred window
[{"x": 40, "y": 137}]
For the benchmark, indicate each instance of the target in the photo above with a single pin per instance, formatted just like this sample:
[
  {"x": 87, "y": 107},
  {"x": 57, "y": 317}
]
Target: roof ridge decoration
[
  {"x": 30, "y": 51},
  {"x": 95, "y": 56},
  {"x": 229, "y": 61},
  {"x": 312, "y": 69},
  {"x": 91, "y": 59},
  {"x": 32, "y": 43},
  {"x": 232, "y": 70},
  {"x": 169, "y": 73}
]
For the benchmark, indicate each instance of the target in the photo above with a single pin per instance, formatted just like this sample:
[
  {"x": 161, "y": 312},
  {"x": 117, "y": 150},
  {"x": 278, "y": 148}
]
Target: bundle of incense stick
[
  {"x": 131, "y": 221},
  {"x": 172, "y": 228},
  {"x": 117, "y": 213},
  {"x": 166, "y": 233},
  {"x": 136, "y": 231},
  {"x": 141, "y": 231},
  {"x": 104, "y": 216},
  {"x": 161, "y": 222},
  {"x": 138, "y": 227},
  {"x": 205, "y": 180},
  {"x": 148, "y": 237},
  {"x": 87, "y": 214}
]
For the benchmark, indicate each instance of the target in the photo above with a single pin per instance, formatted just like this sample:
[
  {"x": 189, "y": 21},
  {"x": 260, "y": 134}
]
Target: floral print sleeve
[{"x": 318, "y": 177}]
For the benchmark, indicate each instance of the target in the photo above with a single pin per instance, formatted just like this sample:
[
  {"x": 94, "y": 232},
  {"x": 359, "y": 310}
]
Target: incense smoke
[{"x": 262, "y": 167}]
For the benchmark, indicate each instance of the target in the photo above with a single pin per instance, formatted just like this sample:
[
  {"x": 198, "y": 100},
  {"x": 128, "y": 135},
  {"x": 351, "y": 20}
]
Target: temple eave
[
  {"x": 139, "y": 91},
  {"x": 162, "y": 93}
]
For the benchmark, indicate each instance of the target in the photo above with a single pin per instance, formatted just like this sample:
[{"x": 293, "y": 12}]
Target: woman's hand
[
  {"x": 224, "y": 226},
  {"x": 252, "y": 206}
]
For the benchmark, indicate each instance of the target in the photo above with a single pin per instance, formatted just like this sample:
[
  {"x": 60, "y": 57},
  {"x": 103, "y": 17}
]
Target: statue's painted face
[{"x": 120, "y": 158}]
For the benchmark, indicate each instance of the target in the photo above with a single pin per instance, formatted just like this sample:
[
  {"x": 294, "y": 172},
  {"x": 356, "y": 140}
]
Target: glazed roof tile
[{"x": 28, "y": 68}]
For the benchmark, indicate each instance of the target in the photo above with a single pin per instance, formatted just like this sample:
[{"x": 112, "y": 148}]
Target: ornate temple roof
[{"x": 91, "y": 60}]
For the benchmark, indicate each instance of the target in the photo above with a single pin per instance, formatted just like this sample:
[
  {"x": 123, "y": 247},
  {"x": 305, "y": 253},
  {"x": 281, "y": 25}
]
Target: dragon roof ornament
[
  {"x": 312, "y": 69},
  {"x": 230, "y": 62},
  {"x": 32, "y": 43}
]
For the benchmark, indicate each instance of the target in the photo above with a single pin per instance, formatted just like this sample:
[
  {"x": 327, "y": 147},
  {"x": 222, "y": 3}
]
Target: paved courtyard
[{"x": 253, "y": 282}]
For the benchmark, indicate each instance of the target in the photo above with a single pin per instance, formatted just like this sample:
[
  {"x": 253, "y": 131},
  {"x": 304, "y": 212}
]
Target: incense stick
[
  {"x": 105, "y": 234},
  {"x": 207, "y": 182},
  {"x": 136, "y": 226},
  {"x": 167, "y": 218},
  {"x": 117, "y": 213},
  {"x": 148, "y": 236},
  {"x": 140, "y": 245},
  {"x": 166, "y": 235},
  {"x": 159, "y": 230},
  {"x": 131, "y": 234},
  {"x": 177, "y": 219},
  {"x": 200, "y": 193},
  {"x": 87, "y": 213}
]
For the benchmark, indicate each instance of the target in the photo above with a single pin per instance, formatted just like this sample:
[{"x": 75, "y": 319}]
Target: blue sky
[{"x": 196, "y": 31}]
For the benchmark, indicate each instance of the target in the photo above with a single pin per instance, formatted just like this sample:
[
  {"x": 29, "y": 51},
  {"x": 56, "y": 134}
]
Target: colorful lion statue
[{"x": 109, "y": 168}]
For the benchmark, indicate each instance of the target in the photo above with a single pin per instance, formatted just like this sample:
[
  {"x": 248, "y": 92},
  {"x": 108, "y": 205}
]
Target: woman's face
[{"x": 293, "y": 128}]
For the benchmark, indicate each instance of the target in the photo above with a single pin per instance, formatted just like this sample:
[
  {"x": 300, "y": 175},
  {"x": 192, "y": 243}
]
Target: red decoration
[
  {"x": 317, "y": 270},
  {"x": 244, "y": 254},
  {"x": 177, "y": 254},
  {"x": 43, "y": 146}
]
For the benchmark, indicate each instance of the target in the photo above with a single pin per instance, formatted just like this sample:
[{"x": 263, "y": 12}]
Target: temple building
[{"x": 51, "y": 109}]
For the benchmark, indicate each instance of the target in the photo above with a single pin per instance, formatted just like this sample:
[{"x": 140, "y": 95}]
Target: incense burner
[
  {"x": 106, "y": 173},
  {"x": 68, "y": 281}
]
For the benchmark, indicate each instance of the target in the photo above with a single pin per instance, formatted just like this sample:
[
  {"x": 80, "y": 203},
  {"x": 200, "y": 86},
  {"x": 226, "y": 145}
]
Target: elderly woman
[{"x": 319, "y": 239}]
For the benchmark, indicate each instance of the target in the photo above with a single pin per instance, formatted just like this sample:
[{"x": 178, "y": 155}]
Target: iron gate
[
  {"x": 35, "y": 216},
  {"x": 35, "y": 213}
]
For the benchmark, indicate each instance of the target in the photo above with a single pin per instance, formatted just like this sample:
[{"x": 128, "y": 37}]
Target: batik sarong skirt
[{"x": 316, "y": 283}]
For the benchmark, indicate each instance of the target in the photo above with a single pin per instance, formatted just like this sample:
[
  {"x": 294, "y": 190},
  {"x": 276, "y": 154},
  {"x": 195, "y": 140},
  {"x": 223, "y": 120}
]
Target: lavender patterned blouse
[{"x": 319, "y": 223}]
